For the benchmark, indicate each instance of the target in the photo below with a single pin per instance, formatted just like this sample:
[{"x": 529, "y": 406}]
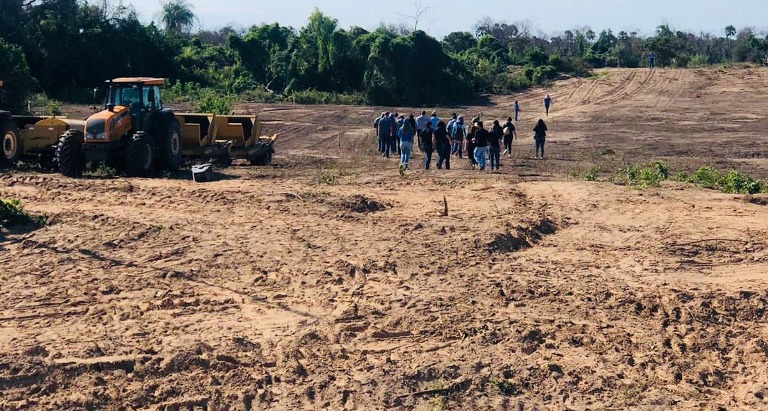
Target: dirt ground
[{"x": 328, "y": 281}]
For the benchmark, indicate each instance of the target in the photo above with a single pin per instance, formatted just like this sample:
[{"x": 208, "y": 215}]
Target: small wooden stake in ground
[{"x": 445, "y": 207}]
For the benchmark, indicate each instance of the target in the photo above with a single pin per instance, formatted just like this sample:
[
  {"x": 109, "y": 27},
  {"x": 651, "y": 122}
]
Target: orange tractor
[{"x": 135, "y": 133}]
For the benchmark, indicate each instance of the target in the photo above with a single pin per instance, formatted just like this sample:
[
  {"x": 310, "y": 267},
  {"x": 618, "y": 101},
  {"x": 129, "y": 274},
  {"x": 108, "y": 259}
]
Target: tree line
[{"x": 64, "y": 48}]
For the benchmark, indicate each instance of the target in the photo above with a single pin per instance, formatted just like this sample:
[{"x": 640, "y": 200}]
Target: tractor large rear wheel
[
  {"x": 170, "y": 147},
  {"x": 139, "y": 155},
  {"x": 11, "y": 142},
  {"x": 69, "y": 154}
]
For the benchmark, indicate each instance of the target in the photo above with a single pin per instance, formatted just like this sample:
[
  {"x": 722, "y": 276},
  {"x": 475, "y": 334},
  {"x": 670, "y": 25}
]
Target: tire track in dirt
[{"x": 628, "y": 89}]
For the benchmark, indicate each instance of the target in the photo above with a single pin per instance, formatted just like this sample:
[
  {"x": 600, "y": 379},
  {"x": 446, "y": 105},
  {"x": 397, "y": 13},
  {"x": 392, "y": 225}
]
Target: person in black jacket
[
  {"x": 425, "y": 144},
  {"x": 539, "y": 135},
  {"x": 509, "y": 135},
  {"x": 494, "y": 145},
  {"x": 443, "y": 146},
  {"x": 481, "y": 145}
]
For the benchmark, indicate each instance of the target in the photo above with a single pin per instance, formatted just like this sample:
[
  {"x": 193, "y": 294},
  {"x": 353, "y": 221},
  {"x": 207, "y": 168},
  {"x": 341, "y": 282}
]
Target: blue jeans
[
  {"x": 480, "y": 154},
  {"x": 457, "y": 147},
  {"x": 405, "y": 151},
  {"x": 495, "y": 154}
]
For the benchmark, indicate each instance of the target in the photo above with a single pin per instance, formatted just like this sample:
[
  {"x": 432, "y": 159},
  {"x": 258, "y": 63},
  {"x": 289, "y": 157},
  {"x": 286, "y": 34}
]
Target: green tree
[
  {"x": 14, "y": 72},
  {"x": 730, "y": 31},
  {"x": 459, "y": 41}
]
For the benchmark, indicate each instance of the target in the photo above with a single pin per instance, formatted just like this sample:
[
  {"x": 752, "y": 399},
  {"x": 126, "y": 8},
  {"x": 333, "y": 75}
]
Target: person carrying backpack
[
  {"x": 458, "y": 132},
  {"x": 509, "y": 135}
]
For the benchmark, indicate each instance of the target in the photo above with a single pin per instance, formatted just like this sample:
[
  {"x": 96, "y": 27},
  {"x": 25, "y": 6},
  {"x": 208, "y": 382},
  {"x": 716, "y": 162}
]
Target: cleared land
[{"x": 327, "y": 281}]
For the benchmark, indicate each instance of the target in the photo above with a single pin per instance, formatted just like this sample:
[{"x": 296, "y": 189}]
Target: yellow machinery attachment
[
  {"x": 196, "y": 132},
  {"x": 225, "y": 137}
]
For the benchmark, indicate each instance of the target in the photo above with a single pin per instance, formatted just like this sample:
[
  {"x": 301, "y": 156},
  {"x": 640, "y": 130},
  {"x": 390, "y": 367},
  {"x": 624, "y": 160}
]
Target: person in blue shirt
[
  {"x": 421, "y": 121},
  {"x": 405, "y": 133},
  {"x": 384, "y": 127},
  {"x": 434, "y": 120},
  {"x": 517, "y": 109},
  {"x": 547, "y": 103},
  {"x": 651, "y": 60}
]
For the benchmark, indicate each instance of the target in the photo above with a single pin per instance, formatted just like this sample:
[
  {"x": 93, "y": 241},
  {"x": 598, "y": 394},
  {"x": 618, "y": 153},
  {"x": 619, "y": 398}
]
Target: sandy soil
[{"x": 327, "y": 281}]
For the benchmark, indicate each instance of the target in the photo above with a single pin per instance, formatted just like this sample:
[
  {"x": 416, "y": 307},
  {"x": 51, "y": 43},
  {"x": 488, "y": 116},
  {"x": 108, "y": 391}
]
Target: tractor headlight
[{"x": 97, "y": 136}]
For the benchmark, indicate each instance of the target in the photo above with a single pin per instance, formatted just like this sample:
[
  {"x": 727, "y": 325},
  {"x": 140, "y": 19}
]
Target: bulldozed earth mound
[{"x": 327, "y": 281}]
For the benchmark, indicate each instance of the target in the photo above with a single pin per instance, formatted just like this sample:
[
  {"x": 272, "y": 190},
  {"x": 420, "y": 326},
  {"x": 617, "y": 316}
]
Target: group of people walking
[{"x": 397, "y": 133}]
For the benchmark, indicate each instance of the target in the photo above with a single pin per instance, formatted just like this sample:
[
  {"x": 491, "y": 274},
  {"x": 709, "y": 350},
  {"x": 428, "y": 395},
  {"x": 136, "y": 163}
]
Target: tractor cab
[
  {"x": 140, "y": 95},
  {"x": 130, "y": 105}
]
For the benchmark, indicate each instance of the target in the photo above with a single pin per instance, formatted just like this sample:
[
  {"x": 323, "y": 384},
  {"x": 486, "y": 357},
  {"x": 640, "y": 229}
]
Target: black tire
[
  {"x": 139, "y": 155},
  {"x": 264, "y": 157},
  {"x": 224, "y": 159},
  {"x": 48, "y": 161},
  {"x": 170, "y": 147},
  {"x": 69, "y": 154},
  {"x": 10, "y": 142}
]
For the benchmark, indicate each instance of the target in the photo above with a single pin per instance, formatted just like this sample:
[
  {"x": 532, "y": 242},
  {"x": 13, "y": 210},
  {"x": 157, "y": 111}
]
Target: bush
[
  {"x": 732, "y": 182},
  {"x": 644, "y": 176},
  {"x": 12, "y": 213},
  {"x": 324, "y": 97},
  {"x": 209, "y": 102},
  {"x": 591, "y": 174}
]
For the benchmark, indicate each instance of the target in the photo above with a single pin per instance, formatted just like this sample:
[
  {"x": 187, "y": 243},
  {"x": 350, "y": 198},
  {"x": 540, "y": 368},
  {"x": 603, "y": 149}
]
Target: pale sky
[{"x": 445, "y": 16}]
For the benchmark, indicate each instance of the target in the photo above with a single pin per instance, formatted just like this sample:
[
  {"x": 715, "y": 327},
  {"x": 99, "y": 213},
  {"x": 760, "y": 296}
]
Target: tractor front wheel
[
  {"x": 139, "y": 155},
  {"x": 69, "y": 154}
]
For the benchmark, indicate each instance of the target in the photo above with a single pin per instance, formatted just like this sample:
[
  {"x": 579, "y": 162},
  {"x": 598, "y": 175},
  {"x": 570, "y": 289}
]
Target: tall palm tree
[
  {"x": 177, "y": 16},
  {"x": 730, "y": 31}
]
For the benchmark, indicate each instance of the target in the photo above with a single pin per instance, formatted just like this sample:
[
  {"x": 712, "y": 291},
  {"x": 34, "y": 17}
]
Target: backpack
[{"x": 507, "y": 131}]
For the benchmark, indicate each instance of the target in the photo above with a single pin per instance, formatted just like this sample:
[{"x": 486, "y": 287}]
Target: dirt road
[{"x": 327, "y": 281}]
